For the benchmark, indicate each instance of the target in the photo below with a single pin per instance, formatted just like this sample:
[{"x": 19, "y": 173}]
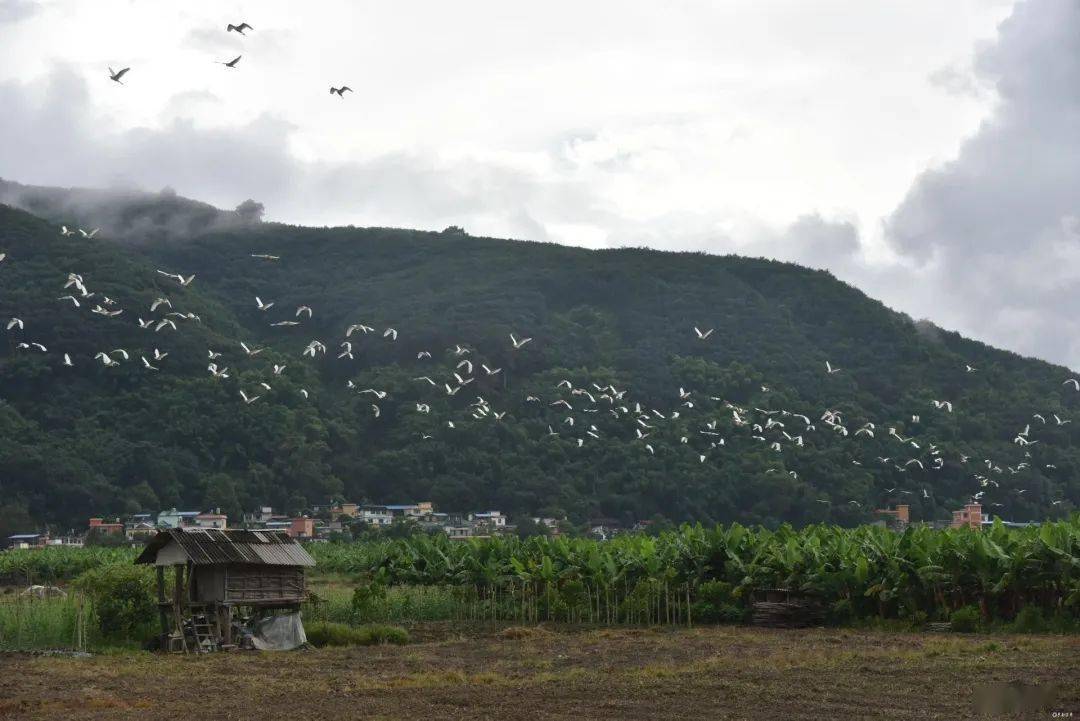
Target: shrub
[
  {"x": 966, "y": 619},
  {"x": 323, "y": 633},
  {"x": 123, "y": 597},
  {"x": 716, "y": 603},
  {"x": 381, "y": 633},
  {"x": 730, "y": 613},
  {"x": 366, "y": 598},
  {"x": 715, "y": 592},
  {"x": 1029, "y": 620},
  {"x": 95, "y": 538},
  {"x": 840, "y": 612}
]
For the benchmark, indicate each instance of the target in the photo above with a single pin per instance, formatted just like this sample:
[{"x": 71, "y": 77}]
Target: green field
[{"x": 997, "y": 579}]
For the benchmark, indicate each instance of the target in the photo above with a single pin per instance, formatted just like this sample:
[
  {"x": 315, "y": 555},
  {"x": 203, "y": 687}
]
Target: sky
[{"x": 924, "y": 151}]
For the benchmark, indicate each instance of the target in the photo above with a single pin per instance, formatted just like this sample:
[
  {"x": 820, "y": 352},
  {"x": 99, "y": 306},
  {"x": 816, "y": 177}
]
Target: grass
[
  {"x": 68, "y": 623},
  {"x": 333, "y": 602},
  {"x": 72, "y": 623},
  {"x": 324, "y": 633},
  {"x": 51, "y": 623}
]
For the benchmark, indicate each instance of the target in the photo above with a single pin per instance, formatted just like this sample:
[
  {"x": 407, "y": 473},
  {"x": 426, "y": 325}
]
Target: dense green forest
[{"x": 723, "y": 437}]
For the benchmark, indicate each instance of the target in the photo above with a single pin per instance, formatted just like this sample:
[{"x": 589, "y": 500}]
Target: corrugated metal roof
[{"x": 205, "y": 546}]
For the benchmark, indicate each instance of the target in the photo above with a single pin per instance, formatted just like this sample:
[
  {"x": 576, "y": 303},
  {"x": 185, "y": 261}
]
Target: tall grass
[
  {"x": 325, "y": 633},
  {"x": 69, "y": 624},
  {"x": 33, "y": 624},
  {"x": 398, "y": 604}
]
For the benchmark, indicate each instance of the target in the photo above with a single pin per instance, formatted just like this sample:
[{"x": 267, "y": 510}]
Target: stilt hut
[{"x": 219, "y": 577}]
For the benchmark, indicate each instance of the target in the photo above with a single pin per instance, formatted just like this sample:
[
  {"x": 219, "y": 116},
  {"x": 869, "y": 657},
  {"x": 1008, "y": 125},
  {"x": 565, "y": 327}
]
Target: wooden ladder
[{"x": 205, "y": 637}]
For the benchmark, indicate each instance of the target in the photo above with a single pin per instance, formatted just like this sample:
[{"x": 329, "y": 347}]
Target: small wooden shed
[{"x": 218, "y": 572}]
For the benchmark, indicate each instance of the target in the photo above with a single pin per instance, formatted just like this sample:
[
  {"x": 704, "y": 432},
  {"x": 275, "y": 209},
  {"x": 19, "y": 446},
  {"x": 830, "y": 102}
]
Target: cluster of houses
[
  {"x": 970, "y": 516},
  {"x": 321, "y": 524},
  {"x": 325, "y": 521},
  {"x": 479, "y": 524}
]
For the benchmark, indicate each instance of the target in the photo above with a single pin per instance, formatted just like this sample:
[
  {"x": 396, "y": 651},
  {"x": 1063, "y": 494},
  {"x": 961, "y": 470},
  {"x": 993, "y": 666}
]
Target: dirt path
[{"x": 715, "y": 673}]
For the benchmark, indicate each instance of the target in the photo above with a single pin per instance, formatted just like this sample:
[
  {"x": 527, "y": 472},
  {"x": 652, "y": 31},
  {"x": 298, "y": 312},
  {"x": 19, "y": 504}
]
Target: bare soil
[{"x": 531, "y": 673}]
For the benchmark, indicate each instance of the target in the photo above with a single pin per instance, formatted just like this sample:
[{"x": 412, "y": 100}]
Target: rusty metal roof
[{"x": 206, "y": 546}]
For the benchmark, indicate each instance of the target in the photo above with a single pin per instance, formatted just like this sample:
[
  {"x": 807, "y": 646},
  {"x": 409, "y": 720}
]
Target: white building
[
  {"x": 217, "y": 521},
  {"x": 376, "y": 515},
  {"x": 494, "y": 519}
]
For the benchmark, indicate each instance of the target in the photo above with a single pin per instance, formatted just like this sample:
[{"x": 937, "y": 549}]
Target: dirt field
[{"x": 714, "y": 673}]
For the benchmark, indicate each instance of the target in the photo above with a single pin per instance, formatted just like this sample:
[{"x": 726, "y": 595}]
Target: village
[
  {"x": 321, "y": 523},
  {"x": 343, "y": 521}
]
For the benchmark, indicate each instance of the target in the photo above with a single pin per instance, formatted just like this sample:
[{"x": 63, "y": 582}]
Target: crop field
[
  {"x": 452, "y": 672},
  {"x": 691, "y": 574},
  {"x": 637, "y": 627}
]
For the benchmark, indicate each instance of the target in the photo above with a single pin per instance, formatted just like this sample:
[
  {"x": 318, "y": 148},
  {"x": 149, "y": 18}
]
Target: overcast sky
[{"x": 925, "y": 151}]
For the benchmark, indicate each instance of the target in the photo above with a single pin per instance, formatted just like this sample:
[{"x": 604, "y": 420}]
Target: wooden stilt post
[
  {"x": 163, "y": 617},
  {"x": 178, "y": 596}
]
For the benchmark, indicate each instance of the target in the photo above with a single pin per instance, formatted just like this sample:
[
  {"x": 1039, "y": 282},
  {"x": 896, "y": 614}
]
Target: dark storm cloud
[{"x": 994, "y": 232}]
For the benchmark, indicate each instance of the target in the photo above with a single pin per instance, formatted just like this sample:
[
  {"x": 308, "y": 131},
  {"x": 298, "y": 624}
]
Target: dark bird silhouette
[
  {"x": 232, "y": 63},
  {"x": 115, "y": 76},
  {"x": 340, "y": 91},
  {"x": 238, "y": 28}
]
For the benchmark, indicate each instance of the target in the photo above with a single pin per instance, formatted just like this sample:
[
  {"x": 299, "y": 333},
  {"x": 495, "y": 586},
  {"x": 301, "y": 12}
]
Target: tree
[
  {"x": 659, "y": 524},
  {"x": 122, "y": 595},
  {"x": 79, "y": 441},
  {"x": 144, "y": 497},
  {"x": 250, "y": 212},
  {"x": 527, "y": 528},
  {"x": 97, "y": 537},
  {"x": 15, "y": 518},
  {"x": 221, "y": 494}
]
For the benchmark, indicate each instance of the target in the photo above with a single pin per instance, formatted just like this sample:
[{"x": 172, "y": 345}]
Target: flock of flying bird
[
  {"x": 579, "y": 409},
  {"x": 581, "y": 413},
  {"x": 117, "y": 76}
]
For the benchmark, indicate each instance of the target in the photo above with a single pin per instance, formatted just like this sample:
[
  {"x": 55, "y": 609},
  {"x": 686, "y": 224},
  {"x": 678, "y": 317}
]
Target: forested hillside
[{"x": 653, "y": 419}]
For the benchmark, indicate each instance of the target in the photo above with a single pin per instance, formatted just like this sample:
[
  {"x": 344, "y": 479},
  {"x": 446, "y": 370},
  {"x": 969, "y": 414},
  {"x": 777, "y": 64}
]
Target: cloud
[
  {"x": 968, "y": 239},
  {"x": 66, "y": 142},
  {"x": 956, "y": 80},
  {"x": 263, "y": 43},
  {"x": 812, "y": 240},
  {"x": 63, "y": 141},
  {"x": 993, "y": 233},
  {"x": 12, "y": 11},
  {"x": 212, "y": 40}
]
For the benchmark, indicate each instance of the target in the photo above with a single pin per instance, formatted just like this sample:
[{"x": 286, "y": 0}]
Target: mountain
[{"x": 91, "y": 439}]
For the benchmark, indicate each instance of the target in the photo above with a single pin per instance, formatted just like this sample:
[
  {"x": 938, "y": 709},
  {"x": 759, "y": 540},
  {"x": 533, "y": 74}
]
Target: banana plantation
[
  {"x": 687, "y": 576},
  {"x": 698, "y": 574}
]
